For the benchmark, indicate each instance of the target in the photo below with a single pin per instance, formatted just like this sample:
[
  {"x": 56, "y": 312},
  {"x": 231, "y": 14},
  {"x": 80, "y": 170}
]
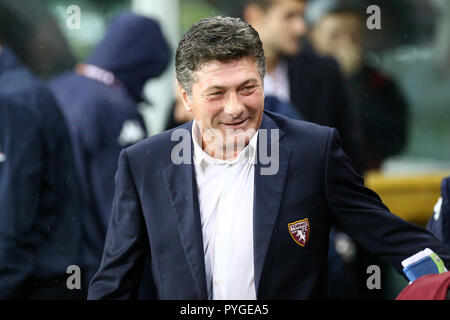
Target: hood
[{"x": 134, "y": 49}]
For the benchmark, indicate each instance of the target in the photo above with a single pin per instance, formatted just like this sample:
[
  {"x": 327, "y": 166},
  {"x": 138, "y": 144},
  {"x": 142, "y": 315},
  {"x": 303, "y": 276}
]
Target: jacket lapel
[
  {"x": 182, "y": 188},
  {"x": 268, "y": 192}
]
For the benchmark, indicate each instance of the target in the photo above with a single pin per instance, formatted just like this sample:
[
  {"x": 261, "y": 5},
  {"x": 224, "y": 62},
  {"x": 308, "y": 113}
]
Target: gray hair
[{"x": 218, "y": 38}]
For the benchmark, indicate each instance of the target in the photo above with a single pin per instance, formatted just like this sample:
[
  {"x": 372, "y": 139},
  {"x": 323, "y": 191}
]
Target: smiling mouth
[{"x": 235, "y": 124}]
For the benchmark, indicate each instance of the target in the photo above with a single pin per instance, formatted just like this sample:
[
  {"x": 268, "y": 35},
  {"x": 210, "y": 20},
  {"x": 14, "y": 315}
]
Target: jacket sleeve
[
  {"x": 126, "y": 244},
  {"x": 21, "y": 178},
  {"x": 360, "y": 212}
]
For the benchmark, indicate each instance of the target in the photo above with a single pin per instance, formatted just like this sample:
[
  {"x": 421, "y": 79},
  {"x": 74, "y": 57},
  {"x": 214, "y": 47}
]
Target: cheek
[
  {"x": 208, "y": 111},
  {"x": 254, "y": 102}
]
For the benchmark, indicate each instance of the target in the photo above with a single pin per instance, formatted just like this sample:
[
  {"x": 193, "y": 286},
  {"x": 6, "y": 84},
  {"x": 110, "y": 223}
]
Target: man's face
[
  {"x": 227, "y": 97},
  {"x": 338, "y": 30},
  {"x": 281, "y": 26},
  {"x": 340, "y": 35}
]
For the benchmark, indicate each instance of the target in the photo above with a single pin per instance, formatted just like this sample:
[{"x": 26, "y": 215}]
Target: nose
[{"x": 233, "y": 105}]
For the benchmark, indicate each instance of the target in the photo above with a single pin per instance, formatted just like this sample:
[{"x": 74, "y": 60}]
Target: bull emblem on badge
[{"x": 299, "y": 231}]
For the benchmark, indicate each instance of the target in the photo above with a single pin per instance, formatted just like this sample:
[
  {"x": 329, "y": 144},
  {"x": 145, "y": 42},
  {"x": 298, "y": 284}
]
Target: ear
[
  {"x": 253, "y": 14},
  {"x": 187, "y": 102}
]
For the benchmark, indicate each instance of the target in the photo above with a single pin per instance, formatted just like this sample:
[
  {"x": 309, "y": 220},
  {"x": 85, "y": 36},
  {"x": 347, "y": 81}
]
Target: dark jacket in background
[
  {"x": 383, "y": 114},
  {"x": 319, "y": 92},
  {"x": 103, "y": 118},
  {"x": 40, "y": 197}
]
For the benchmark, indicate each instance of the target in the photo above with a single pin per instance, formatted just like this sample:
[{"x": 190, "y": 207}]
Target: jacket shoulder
[
  {"x": 308, "y": 141},
  {"x": 297, "y": 130},
  {"x": 155, "y": 151}
]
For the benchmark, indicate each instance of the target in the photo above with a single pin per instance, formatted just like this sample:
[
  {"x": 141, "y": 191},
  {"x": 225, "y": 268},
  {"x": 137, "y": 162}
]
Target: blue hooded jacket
[
  {"x": 134, "y": 50},
  {"x": 103, "y": 116},
  {"x": 40, "y": 196}
]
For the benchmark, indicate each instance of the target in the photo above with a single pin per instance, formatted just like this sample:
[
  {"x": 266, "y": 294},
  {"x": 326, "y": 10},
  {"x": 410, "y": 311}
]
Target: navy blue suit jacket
[{"x": 156, "y": 213}]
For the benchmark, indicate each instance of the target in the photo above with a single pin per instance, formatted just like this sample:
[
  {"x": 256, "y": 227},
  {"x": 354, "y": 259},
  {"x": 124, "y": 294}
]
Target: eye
[
  {"x": 247, "y": 90},
  {"x": 215, "y": 93}
]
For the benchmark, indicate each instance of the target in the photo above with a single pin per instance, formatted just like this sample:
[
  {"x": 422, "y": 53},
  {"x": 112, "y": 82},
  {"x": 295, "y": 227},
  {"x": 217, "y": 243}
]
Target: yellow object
[{"x": 412, "y": 198}]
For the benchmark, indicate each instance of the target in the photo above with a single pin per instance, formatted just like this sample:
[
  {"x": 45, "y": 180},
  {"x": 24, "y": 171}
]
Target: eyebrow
[{"x": 223, "y": 87}]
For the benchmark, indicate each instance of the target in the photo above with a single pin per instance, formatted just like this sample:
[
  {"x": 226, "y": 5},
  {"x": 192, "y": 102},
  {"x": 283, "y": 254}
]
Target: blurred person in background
[
  {"x": 28, "y": 28},
  {"x": 40, "y": 195},
  {"x": 338, "y": 31},
  {"x": 315, "y": 85},
  {"x": 100, "y": 101},
  {"x": 298, "y": 76}
]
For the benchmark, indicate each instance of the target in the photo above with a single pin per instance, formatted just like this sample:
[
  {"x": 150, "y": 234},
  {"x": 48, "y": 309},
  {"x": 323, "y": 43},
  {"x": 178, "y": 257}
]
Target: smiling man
[
  {"x": 216, "y": 227},
  {"x": 225, "y": 95}
]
